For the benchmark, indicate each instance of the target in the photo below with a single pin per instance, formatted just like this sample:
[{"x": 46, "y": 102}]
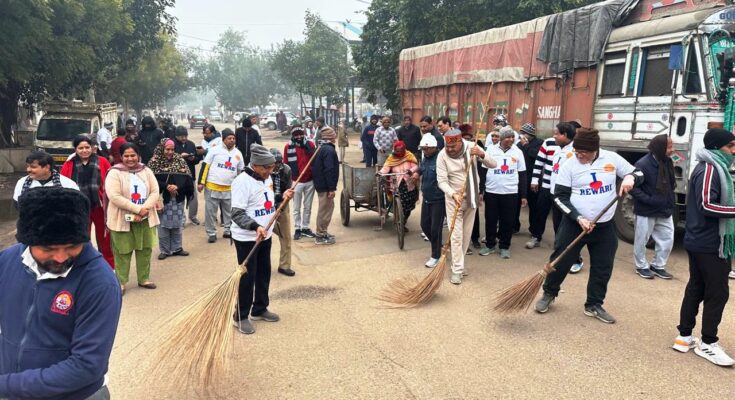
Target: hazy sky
[{"x": 200, "y": 22}]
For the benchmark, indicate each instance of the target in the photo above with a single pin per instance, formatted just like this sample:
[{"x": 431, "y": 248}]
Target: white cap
[{"x": 428, "y": 140}]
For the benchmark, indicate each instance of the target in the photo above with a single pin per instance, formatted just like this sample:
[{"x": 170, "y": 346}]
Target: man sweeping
[
  {"x": 586, "y": 184},
  {"x": 710, "y": 244},
  {"x": 253, "y": 206},
  {"x": 450, "y": 170}
]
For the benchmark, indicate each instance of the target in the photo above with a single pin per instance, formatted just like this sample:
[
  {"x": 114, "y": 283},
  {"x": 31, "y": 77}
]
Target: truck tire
[{"x": 625, "y": 219}]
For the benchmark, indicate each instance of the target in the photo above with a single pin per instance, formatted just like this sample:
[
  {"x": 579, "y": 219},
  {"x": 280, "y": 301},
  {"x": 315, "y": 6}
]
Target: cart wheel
[
  {"x": 399, "y": 222},
  {"x": 344, "y": 208}
]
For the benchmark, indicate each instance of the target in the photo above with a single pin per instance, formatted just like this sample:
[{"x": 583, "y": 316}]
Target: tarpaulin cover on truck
[{"x": 577, "y": 38}]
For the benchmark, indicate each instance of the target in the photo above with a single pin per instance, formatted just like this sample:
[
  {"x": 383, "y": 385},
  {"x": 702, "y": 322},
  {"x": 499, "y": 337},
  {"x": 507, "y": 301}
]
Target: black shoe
[
  {"x": 227, "y": 235},
  {"x": 181, "y": 252},
  {"x": 308, "y": 233},
  {"x": 212, "y": 239},
  {"x": 661, "y": 273},
  {"x": 644, "y": 273},
  {"x": 162, "y": 256},
  {"x": 287, "y": 271},
  {"x": 476, "y": 244},
  {"x": 297, "y": 234}
]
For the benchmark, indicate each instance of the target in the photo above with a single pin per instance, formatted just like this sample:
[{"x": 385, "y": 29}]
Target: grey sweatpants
[
  {"x": 213, "y": 202},
  {"x": 193, "y": 203},
  {"x": 662, "y": 232}
]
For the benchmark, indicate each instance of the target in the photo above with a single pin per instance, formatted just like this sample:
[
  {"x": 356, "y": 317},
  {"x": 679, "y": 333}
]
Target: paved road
[{"x": 335, "y": 342}]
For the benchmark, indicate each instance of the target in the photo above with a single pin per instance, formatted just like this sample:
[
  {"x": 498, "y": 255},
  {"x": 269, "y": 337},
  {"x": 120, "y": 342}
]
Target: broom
[
  {"x": 409, "y": 291},
  {"x": 196, "y": 340},
  {"x": 520, "y": 296}
]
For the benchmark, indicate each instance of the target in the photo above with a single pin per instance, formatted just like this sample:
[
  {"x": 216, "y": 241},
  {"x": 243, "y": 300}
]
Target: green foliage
[
  {"x": 393, "y": 25},
  {"x": 238, "y": 73},
  {"x": 319, "y": 66}
]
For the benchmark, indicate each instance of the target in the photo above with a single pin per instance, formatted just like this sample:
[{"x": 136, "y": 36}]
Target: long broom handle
[
  {"x": 456, "y": 209},
  {"x": 279, "y": 209},
  {"x": 553, "y": 263}
]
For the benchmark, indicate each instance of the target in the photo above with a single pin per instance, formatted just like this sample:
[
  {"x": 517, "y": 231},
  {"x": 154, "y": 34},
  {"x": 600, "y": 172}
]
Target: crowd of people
[{"x": 136, "y": 191}]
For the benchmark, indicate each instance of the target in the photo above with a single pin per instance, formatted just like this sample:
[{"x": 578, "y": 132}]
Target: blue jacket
[
  {"x": 647, "y": 202},
  {"x": 56, "y": 335},
  {"x": 368, "y": 133},
  {"x": 325, "y": 169},
  {"x": 429, "y": 186},
  {"x": 704, "y": 210}
]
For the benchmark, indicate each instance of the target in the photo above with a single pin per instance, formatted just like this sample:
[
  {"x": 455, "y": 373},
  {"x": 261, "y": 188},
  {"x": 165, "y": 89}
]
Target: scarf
[
  {"x": 55, "y": 178},
  {"x": 657, "y": 147},
  {"x": 394, "y": 161},
  {"x": 93, "y": 185},
  {"x": 292, "y": 157},
  {"x": 722, "y": 162},
  {"x": 276, "y": 178},
  {"x": 161, "y": 165}
]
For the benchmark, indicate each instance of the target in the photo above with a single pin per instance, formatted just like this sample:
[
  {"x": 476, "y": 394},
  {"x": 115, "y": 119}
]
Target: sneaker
[
  {"x": 297, "y": 234},
  {"x": 266, "y": 316},
  {"x": 476, "y": 244},
  {"x": 308, "y": 233},
  {"x": 714, "y": 353},
  {"x": 162, "y": 256},
  {"x": 227, "y": 235},
  {"x": 505, "y": 253},
  {"x": 543, "y": 304},
  {"x": 468, "y": 252},
  {"x": 731, "y": 275},
  {"x": 456, "y": 278},
  {"x": 661, "y": 273},
  {"x": 431, "y": 262},
  {"x": 195, "y": 221},
  {"x": 181, "y": 253},
  {"x": 683, "y": 344},
  {"x": 598, "y": 312},
  {"x": 486, "y": 251},
  {"x": 244, "y": 326},
  {"x": 576, "y": 267},
  {"x": 644, "y": 273},
  {"x": 423, "y": 236},
  {"x": 326, "y": 239},
  {"x": 534, "y": 242},
  {"x": 212, "y": 239}
]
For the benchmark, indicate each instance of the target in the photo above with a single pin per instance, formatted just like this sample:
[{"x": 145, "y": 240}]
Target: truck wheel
[{"x": 625, "y": 219}]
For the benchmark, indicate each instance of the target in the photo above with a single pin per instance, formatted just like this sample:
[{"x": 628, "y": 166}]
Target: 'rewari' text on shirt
[{"x": 503, "y": 179}]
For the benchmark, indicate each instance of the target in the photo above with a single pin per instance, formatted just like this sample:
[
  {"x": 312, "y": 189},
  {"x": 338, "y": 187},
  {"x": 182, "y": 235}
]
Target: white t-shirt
[
  {"x": 594, "y": 185},
  {"x": 503, "y": 179},
  {"x": 103, "y": 135},
  {"x": 223, "y": 165},
  {"x": 65, "y": 182},
  {"x": 138, "y": 190},
  {"x": 216, "y": 142},
  {"x": 257, "y": 199},
  {"x": 560, "y": 157}
]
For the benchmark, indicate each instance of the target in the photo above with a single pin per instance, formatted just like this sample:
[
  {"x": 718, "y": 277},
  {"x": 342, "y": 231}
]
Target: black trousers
[
  {"x": 253, "y": 290},
  {"x": 500, "y": 212},
  {"x": 371, "y": 157},
  {"x": 531, "y": 198},
  {"x": 708, "y": 283},
  {"x": 432, "y": 221},
  {"x": 543, "y": 205},
  {"x": 602, "y": 244}
]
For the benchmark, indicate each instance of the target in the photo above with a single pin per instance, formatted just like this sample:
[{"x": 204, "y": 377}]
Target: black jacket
[
  {"x": 411, "y": 136},
  {"x": 325, "y": 169},
  {"x": 704, "y": 210},
  {"x": 530, "y": 150},
  {"x": 244, "y": 138},
  {"x": 647, "y": 202},
  {"x": 283, "y": 174},
  {"x": 190, "y": 148},
  {"x": 185, "y": 184}
]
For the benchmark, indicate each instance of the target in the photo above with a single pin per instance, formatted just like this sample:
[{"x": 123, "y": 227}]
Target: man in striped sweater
[{"x": 541, "y": 184}]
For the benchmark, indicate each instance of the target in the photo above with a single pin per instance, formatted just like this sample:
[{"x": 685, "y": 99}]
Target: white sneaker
[
  {"x": 456, "y": 278},
  {"x": 534, "y": 242},
  {"x": 576, "y": 267},
  {"x": 731, "y": 275},
  {"x": 714, "y": 353},
  {"x": 431, "y": 263},
  {"x": 684, "y": 344},
  {"x": 423, "y": 236}
]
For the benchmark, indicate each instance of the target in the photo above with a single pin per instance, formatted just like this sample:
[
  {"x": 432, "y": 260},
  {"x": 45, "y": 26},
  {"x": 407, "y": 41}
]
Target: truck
[
  {"x": 64, "y": 120},
  {"x": 664, "y": 67}
]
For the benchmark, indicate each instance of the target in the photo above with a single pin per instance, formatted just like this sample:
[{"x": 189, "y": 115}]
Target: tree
[
  {"x": 238, "y": 73},
  {"x": 394, "y": 25}
]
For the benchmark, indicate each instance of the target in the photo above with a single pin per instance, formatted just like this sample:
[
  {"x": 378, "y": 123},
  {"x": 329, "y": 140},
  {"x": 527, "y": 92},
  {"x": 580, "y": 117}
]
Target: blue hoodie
[{"x": 56, "y": 335}]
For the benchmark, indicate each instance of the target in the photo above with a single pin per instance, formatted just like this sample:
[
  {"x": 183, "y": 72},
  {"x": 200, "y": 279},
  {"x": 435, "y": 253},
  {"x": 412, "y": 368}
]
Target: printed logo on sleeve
[{"x": 63, "y": 301}]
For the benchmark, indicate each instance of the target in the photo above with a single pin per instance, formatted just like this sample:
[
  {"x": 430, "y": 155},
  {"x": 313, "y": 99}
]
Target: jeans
[
  {"x": 708, "y": 283},
  {"x": 602, "y": 244},
  {"x": 432, "y": 221},
  {"x": 213, "y": 201},
  {"x": 500, "y": 211},
  {"x": 252, "y": 298},
  {"x": 371, "y": 156},
  {"x": 662, "y": 232},
  {"x": 303, "y": 197}
]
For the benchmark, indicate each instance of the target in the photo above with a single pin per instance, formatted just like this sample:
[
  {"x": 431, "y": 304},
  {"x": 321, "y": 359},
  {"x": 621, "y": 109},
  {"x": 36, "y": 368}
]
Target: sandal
[{"x": 147, "y": 285}]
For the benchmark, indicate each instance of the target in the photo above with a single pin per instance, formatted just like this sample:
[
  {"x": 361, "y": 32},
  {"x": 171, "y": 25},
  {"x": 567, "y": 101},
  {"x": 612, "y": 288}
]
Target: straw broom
[
  {"x": 196, "y": 341},
  {"x": 520, "y": 296},
  {"x": 409, "y": 291}
]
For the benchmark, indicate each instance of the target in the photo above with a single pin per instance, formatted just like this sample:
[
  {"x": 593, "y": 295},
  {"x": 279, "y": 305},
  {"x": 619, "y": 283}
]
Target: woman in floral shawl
[
  {"x": 404, "y": 164},
  {"x": 175, "y": 183}
]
